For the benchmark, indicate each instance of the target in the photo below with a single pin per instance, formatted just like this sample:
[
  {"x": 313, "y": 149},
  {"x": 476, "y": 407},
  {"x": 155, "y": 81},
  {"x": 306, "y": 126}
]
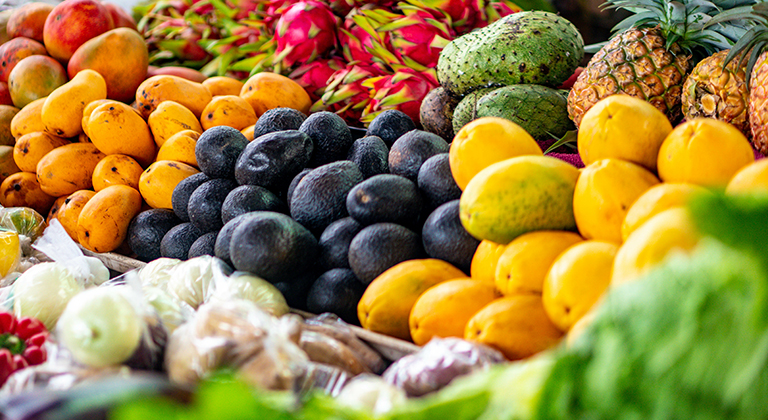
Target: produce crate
[{"x": 390, "y": 348}]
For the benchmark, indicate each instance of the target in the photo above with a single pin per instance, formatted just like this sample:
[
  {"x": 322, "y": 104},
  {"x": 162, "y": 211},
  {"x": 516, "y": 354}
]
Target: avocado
[
  {"x": 445, "y": 238},
  {"x": 436, "y": 113},
  {"x": 294, "y": 182},
  {"x": 385, "y": 198},
  {"x": 272, "y": 246},
  {"x": 217, "y": 150},
  {"x": 370, "y": 153},
  {"x": 330, "y": 135},
  {"x": 205, "y": 203},
  {"x": 204, "y": 245},
  {"x": 272, "y": 160},
  {"x": 177, "y": 241},
  {"x": 390, "y": 125},
  {"x": 334, "y": 243},
  {"x": 146, "y": 231},
  {"x": 295, "y": 291},
  {"x": 320, "y": 197},
  {"x": 223, "y": 240},
  {"x": 278, "y": 119},
  {"x": 337, "y": 291},
  {"x": 436, "y": 181},
  {"x": 184, "y": 189},
  {"x": 411, "y": 150},
  {"x": 381, "y": 246},
  {"x": 249, "y": 198}
]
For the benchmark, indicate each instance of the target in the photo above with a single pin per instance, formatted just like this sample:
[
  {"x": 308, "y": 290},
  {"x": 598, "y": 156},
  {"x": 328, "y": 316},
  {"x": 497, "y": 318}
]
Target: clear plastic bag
[
  {"x": 191, "y": 281},
  {"x": 333, "y": 326},
  {"x": 244, "y": 285},
  {"x": 23, "y": 220},
  {"x": 371, "y": 393},
  {"x": 60, "y": 248},
  {"x": 438, "y": 363}
]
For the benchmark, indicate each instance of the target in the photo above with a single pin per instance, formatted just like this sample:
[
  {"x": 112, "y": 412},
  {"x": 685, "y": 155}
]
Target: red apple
[{"x": 71, "y": 23}]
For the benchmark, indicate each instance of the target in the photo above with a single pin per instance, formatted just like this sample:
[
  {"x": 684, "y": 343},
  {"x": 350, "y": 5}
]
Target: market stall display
[{"x": 334, "y": 209}]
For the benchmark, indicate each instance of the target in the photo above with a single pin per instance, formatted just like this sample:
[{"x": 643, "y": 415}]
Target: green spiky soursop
[
  {"x": 466, "y": 110},
  {"x": 541, "y": 111},
  {"x": 532, "y": 47}
]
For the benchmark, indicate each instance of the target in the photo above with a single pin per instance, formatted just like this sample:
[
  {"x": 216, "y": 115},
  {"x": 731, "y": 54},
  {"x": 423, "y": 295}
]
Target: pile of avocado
[
  {"x": 310, "y": 208},
  {"x": 510, "y": 69}
]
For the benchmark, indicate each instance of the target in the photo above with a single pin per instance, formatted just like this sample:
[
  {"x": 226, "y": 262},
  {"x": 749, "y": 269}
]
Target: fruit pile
[{"x": 355, "y": 58}]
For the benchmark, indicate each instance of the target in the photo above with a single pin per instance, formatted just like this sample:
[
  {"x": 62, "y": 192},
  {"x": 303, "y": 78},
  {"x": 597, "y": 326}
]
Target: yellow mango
[
  {"x": 169, "y": 118},
  {"x": 230, "y": 110},
  {"x": 103, "y": 223},
  {"x": 157, "y": 89},
  {"x": 180, "y": 147},
  {"x": 68, "y": 168},
  {"x": 387, "y": 302},
  {"x": 7, "y": 113},
  {"x": 157, "y": 182},
  {"x": 223, "y": 85},
  {"x": 30, "y": 148},
  {"x": 62, "y": 112},
  {"x": 117, "y": 170},
  {"x": 22, "y": 190},
  {"x": 28, "y": 119},
  {"x": 70, "y": 211},
  {"x": 7, "y": 163},
  {"x": 116, "y": 129}
]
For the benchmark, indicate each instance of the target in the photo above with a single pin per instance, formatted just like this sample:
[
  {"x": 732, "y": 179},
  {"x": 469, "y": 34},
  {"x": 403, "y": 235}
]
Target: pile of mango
[{"x": 88, "y": 136}]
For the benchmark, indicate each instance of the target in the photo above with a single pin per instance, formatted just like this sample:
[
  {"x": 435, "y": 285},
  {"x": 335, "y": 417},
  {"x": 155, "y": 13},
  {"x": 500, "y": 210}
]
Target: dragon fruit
[
  {"x": 178, "y": 39},
  {"x": 404, "y": 90},
  {"x": 416, "y": 37},
  {"x": 359, "y": 39},
  {"x": 313, "y": 77},
  {"x": 460, "y": 12},
  {"x": 304, "y": 32},
  {"x": 493, "y": 11},
  {"x": 346, "y": 94}
]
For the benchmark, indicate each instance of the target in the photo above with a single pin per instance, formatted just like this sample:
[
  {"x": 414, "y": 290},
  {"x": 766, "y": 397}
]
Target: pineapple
[
  {"x": 714, "y": 90},
  {"x": 753, "y": 45},
  {"x": 653, "y": 54}
]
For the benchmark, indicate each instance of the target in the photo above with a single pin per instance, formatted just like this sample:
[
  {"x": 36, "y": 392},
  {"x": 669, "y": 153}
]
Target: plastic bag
[
  {"x": 191, "y": 281},
  {"x": 23, "y": 220},
  {"x": 43, "y": 292},
  {"x": 244, "y": 285},
  {"x": 59, "y": 247},
  {"x": 438, "y": 363},
  {"x": 112, "y": 325},
  {"x": 240, "y": 336},
  {"x": 371, "y": 393},
  {"x": 332, "y": 326},
  {"x": 157, "y": 272}
]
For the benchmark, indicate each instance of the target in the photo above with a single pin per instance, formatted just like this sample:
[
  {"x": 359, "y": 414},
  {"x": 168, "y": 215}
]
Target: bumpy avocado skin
[
  {"x": 540, "y": 110},
  {"x": 532, "y": 47}
]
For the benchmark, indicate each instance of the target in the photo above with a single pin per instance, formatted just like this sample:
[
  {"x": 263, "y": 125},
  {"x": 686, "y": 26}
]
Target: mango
[
  {"x": 519, "y": 195},
  {"x": 35, "y": 77},
  {"x": 387, "y": 302},
  {"x": 483, "y": 266},
  {"x": 5, "y": 94},
  {"x": 184, "y": 72},
  {"x": 30, "y": 148},
  {"x": 120, "y": 56},
  {"x": 70, "y": 211},
  {"x": 444, "y": 310},
  {"x": 103, "y": 223},
  {"x": 15, "y": 50},
  {"x": 73, "y": 22},
  {"x": 180, "y": 147},
  {"x": 230, "y": 110},
  {"x": 22, "y": 190},
  {"x": 248, "y": 131},
  {"x": 169, "y": 118},
  {"x": 28, "y": 20},
  {"x": 53, "y": 213},
  {"x": 515, "y": 325},
  {"x": 265, "y": 91},
  {"x": 158, "y": 181},
  {"x": 67, "y": 169},
  {"x": 7, "y": 163},
  {"x": 62, "y": 112},
  {"x": 7, "y": 113},
  {"x": 120, "y": 17},
  {"x": 223, "y": 85},
  {"x": 28, "y": 120},
  {"x": 156, "y": 89},
  {"x": 116, "y": 128},
  {"x": 117, "y": 170}
]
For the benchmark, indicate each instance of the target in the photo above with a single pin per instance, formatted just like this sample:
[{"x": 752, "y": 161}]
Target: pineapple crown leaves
[
  {"x": 685, "y": 22},
  {"x": 754, "y": 41}
]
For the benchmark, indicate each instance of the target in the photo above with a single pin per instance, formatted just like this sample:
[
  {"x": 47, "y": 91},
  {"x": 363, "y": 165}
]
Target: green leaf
[{"x": 568, "y": 139}]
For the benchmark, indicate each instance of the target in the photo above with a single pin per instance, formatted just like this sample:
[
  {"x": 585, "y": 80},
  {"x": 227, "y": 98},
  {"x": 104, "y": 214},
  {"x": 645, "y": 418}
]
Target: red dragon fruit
[
  {"x": 416, "y": 38},
  {"x": 460, "y": 13},
  {"x": 359, "y": 39},
  {"x": 346, "y": 94},
  {"x": 304, "y": 32},
  {"x": 494, "y": 10},
  {"x": 178, "y": 38},
  {"x": 403, "y": 91},
  {"x": 313, "y": 77}
]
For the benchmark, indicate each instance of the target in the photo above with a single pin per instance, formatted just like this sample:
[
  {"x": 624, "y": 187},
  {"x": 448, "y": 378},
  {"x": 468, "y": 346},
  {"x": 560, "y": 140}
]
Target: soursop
[
  {"x": 466, "y": 110},
  {"x": 531, "y": 47}
]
